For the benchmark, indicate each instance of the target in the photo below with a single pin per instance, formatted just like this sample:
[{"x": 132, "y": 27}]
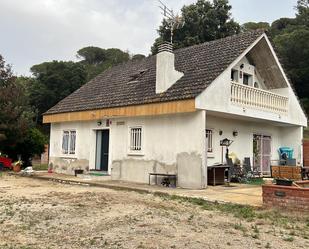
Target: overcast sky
[{"x": 35, "y": 31}]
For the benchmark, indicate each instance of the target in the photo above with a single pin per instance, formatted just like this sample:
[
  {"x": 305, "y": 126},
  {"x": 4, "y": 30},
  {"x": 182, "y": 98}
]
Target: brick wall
[
  {"x": 306, "y": 153},
  {"x": 286, "y": 197}
]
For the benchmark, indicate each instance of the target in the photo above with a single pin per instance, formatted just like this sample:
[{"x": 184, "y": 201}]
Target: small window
[
  {"x": 136, "y": 139},
  {"x": 68, "y": 142},
  {"x": 247, "y": 79},
  {"x": 234, "y": 75},
  {"x": 209, "y": 140}
]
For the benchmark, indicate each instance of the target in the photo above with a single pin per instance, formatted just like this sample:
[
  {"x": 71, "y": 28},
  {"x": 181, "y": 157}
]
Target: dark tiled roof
[{"x": 201, "y": 64}]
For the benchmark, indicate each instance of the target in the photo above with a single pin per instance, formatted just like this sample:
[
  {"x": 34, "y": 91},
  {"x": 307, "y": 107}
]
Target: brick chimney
[{"x": 166, "y": 75}]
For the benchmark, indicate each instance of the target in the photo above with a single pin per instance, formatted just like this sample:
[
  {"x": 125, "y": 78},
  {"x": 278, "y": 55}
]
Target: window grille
[
  {"x": 209, "y": 140},
  {"x": 136, "y": 139},
  {"x": 72, "y": 142},
  {"x": 68, "y": 142}
]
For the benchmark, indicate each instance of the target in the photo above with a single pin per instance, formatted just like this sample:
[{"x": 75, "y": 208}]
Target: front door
[
  {"x": 262, "y": 153},
  {"x": 102, "y": 148}
]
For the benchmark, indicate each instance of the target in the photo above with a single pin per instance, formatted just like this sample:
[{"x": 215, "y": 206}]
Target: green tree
[
  {"x": 32, "y": 144},
  {"x": 302, "y": 15},
  {"x": 291, "y": 36},
  {"x": 138, "y": 57},
  {"x": 15, "y": 112},
  {"x": 53, "y": 81},
  {"x": 255, "y": 25},
  {"x": 17, "y": 133},
  {"x": 293, "y": 48},
  {"x": 282, "y": 25},
  {"x": 96, "y": 60},
  {"x": 203, "y": 21},
  {"x": 91, "y": 55}
]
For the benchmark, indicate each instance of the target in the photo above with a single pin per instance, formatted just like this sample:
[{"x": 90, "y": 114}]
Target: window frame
[
  {"x": 130, "y": 150},
  {"x": 234, "y": 75},
  {"x": 249, "y": 77},
  {"x": 207, "y": 133},
  {"x": 68, "y": 151}
]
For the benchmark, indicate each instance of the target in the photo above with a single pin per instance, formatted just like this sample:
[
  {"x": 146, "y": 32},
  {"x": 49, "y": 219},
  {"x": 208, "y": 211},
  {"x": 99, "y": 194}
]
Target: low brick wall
[{"x": 286, "y": 197}]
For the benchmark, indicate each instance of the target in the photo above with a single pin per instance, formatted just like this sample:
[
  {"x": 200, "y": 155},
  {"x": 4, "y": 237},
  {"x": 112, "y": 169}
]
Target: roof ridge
[{"x": 257, "y": 31}]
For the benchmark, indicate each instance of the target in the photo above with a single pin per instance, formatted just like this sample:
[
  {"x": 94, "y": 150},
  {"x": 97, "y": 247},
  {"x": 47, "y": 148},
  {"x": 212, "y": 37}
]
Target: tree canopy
[
  {"x": 203, "y": 21},
  {"x": 53, "y": 81},
  {"x": 16, "y": 116}
]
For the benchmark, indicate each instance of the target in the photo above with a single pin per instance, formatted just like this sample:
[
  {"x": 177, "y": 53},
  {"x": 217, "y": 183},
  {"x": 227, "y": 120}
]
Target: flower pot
[{"x": 16, "y": 168}]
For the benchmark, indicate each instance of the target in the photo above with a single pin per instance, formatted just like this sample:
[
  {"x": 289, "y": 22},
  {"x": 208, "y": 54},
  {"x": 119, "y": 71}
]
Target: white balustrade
[{"x": 257, "y": 98}]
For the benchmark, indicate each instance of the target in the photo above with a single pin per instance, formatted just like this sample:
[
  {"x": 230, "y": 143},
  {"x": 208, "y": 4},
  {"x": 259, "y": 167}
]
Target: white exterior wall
[
  {"x": 171, "y": 143},
  {"x": 243, "y": 143},
  {"x": 217, "y": 96}
]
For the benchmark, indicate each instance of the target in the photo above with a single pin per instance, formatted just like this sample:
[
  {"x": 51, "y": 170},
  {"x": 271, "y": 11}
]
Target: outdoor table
[
  {"x": 216, "y": 174},
  {"x": 170, "y": 176}
]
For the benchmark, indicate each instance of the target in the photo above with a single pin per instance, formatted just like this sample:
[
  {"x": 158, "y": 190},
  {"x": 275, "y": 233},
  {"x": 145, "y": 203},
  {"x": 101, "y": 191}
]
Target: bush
[{"x": 32, "y": 144}]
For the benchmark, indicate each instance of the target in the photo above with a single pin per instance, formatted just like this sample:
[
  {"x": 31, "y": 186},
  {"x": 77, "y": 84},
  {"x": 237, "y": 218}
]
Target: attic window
[
  {"x": 137, "y": 75},
  {"x": 234, "y": 75},
  {"x": 247, "y": 79}
]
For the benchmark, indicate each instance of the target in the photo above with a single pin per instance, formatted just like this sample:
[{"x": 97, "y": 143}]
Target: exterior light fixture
[
  {"x": 220, "y": 133},
  {"x": 99, "y": 123},
  {"x": 235, "y": 133}
]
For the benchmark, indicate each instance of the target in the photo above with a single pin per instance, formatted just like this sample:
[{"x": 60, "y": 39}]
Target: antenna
[{"x": 174, "y": 21}]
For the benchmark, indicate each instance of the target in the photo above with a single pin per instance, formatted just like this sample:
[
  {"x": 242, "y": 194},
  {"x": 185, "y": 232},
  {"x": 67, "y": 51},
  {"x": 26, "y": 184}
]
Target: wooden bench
[{"x": 169, "y": 176}]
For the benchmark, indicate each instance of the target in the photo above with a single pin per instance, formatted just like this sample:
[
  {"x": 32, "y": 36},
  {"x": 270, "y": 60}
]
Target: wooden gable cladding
[
  {"x": 181, "y": 106},
  {"x": 261, "y": 56}
]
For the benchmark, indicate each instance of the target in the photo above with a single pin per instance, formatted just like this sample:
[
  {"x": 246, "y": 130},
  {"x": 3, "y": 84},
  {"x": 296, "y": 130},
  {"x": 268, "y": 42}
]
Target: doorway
[
  {"x": 262, "y": 153},
  {"x": 102, "y": 149}
]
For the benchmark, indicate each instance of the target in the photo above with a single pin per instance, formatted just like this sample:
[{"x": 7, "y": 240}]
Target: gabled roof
[{"x": 134, "y": 82}]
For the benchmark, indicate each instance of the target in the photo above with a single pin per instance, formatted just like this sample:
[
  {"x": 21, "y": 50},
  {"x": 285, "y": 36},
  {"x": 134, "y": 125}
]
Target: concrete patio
[{"x": 244, "y": 194}]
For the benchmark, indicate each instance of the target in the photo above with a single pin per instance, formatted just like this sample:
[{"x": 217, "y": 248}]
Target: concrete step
[{"x": 95, "y": 176}]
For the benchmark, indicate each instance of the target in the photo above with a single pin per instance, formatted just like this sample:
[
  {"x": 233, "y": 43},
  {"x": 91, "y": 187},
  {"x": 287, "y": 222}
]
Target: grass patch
[
  {"x": 242, "y": 212},
  {"x": 289, "y": 238},
  {"x": 239, "y": 211},
  {"x": 240, "y": 226},
  {"x": 255, "y": 181},
  {"x": 40, "y": 167}
]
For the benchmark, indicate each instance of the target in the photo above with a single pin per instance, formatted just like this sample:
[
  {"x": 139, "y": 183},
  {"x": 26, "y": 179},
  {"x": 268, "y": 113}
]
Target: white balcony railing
[{"x": 257, "y": 98}]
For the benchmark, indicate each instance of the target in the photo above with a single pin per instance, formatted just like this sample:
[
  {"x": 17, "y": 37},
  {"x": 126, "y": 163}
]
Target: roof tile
[{"x": 201, "y": 64}]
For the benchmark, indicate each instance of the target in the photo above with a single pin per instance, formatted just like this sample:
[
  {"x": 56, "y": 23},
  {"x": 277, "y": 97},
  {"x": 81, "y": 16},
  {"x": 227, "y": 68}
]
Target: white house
[{"x": 167, "y": 113}]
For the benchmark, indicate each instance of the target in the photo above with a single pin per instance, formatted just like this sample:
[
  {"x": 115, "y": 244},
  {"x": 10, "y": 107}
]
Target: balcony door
[{"x": 262, "y": 153}]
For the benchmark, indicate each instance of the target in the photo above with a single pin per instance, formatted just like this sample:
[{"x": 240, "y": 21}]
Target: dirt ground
[{"x": 41, "y": 214}]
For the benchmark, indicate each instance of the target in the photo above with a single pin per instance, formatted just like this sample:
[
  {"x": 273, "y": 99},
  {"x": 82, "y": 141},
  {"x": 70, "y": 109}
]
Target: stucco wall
[
  {"x": 171, "y": 144},
  {"x": 243, "y": 143},
  {"x": 216, "y": 98},
  {"x": 168, "y": 143}
]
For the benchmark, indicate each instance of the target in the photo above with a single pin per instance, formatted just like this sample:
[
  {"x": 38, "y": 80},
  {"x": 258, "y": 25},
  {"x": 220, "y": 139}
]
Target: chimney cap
[{"x": 165, "y": 47}]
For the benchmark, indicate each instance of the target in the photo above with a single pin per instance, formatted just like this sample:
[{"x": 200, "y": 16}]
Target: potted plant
[{"x": 17, "y": 166}]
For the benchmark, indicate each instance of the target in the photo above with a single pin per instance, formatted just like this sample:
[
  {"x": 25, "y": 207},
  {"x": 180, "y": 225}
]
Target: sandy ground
[{"x": 39, "y": 214}]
